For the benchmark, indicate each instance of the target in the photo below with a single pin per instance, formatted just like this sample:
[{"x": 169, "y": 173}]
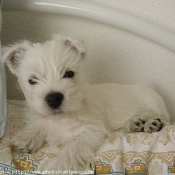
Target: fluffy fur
[{"x": 88, "y": 113}]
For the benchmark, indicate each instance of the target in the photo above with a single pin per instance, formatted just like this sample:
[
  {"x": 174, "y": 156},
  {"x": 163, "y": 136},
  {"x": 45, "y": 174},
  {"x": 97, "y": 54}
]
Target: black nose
[{"x": 54, "y": 99}]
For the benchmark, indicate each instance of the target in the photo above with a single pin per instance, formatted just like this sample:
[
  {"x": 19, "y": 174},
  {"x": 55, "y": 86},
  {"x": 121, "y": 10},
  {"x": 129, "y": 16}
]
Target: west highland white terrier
[{"x": 65, "y": 109}]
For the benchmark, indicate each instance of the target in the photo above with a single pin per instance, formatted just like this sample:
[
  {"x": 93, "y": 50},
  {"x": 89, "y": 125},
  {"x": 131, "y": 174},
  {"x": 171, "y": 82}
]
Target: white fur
[{"x": 88, "y": 114}]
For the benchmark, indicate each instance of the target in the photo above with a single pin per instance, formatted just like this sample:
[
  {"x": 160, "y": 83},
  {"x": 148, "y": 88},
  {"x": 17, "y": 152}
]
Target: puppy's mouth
[{"x": 56, "y": 111}]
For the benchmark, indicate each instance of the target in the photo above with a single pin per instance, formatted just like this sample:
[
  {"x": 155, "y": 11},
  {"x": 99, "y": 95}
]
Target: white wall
[{"x": 113, "y": 55}]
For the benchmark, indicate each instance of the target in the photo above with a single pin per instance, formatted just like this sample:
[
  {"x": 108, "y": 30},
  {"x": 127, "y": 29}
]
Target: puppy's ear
[
  {"x": 77, "y": 46},
  {"x": 14, "y": 54}
]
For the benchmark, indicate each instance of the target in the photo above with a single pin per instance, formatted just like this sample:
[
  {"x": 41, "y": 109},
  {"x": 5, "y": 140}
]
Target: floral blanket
[{"x": 122, "y": 154}]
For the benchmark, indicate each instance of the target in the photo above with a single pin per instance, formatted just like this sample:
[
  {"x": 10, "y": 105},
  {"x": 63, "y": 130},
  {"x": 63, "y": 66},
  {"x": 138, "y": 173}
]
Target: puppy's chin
[
  {"x": 57, "y": 113},
  {"x": 50, "y": 113}
]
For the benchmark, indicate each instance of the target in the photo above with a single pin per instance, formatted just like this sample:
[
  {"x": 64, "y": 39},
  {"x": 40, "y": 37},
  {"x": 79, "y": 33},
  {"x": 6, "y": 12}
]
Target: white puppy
[{"x": 64, "y": 108}]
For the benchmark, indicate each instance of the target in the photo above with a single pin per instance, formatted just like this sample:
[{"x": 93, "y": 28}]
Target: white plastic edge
[
  {"x": 2, "y": 88},
  {"x": 100, "y": 14}
]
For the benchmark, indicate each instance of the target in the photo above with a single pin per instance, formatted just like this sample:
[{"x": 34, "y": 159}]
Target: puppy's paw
[
  {"x": 75, "y": 162},
  {"x": 23, "y": 143},
  {"x": 154, "y": 125},
  {"x": 62, "y": 166},
  {"x": 137, "y": 125}
]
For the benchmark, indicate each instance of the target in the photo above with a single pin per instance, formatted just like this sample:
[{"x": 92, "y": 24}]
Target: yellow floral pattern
[
  {"x": 116, "y": 137},
  {"x": 131, "y": 139}
]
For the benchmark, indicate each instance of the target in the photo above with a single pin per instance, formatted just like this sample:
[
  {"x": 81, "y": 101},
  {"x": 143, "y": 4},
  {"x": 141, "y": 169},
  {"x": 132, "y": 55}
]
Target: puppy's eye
[
  {"x": 33, "y": 80},
  {"x": 68, "y": 74}
]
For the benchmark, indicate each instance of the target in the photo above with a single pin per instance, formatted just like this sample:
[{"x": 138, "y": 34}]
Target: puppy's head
[{"x": 49, "y": 74}]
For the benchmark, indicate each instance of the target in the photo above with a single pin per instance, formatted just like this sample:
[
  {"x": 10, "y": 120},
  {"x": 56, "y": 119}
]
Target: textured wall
[{"x": 113, "y": 55}]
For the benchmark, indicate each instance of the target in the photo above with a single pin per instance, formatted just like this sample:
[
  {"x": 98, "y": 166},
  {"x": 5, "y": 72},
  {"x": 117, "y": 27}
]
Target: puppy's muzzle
[{"x": 54, "y": 99}]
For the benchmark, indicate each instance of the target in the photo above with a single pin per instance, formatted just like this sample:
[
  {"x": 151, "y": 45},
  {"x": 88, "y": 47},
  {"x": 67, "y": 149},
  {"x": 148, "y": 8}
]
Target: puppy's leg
[
  {"x": 78, "y": 154},
  {"x": 29, "y": 139},
  {"x": 137, "y": 123},
  {"x": 155, "y": 124}
]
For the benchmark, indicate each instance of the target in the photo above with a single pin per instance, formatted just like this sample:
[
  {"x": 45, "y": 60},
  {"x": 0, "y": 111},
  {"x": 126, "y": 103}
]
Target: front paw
[
  {"x": 26, "y": 143},
  {"x": 66, "y": 163}
]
